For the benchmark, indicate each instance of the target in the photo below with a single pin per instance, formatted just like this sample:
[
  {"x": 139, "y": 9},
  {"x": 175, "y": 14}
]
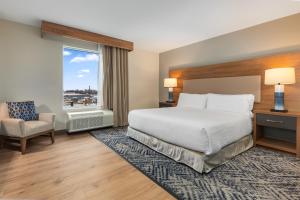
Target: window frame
[{"x": 100, "y": 79}]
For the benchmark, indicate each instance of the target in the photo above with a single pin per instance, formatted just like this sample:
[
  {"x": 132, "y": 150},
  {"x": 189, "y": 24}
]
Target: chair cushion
[
  {"x": 3, "y": 111},
  {"x": 22, "y": 110},
  {"x": 33, "y": 127}
]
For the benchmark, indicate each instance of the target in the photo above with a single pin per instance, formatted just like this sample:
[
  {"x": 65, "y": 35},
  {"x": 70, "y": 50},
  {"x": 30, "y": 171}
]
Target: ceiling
[{"x": 154, "y": 25}]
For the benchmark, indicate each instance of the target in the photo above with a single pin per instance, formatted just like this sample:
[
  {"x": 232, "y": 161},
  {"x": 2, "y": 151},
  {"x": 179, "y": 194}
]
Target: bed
[{"x": 203, "y": 131}]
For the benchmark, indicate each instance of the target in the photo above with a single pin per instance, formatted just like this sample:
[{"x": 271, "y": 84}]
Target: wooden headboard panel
[
  {"x": 225, "y": 85},
  {"x": 250, "y": 67}
]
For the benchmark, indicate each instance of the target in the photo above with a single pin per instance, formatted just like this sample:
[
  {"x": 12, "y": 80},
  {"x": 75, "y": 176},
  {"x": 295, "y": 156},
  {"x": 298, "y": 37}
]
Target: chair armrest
[
  {"x": 13, "y": 127},
  {"x": 47, "y": 117}
]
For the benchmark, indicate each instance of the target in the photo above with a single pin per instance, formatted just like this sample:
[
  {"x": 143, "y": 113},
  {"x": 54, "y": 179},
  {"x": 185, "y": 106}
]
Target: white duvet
[{"x": 204, "y": 131}]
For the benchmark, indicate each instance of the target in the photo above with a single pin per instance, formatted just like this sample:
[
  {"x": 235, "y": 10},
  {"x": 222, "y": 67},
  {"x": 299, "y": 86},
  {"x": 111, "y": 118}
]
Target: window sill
[{"x": 82, "y": 109}]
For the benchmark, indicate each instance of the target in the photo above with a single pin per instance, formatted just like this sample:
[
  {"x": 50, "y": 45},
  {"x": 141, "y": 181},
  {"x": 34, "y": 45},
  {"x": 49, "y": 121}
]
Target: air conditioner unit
[{"x": 87, "y": 120}]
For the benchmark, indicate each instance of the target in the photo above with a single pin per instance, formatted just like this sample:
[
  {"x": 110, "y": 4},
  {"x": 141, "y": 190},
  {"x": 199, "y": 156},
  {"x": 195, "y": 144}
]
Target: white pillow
[
  {"x": 242, "y": 103},
  {"x": 192, "y": 100}
]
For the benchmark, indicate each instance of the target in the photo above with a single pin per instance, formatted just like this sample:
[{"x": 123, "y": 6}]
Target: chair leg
[
  {"x": 28, "y": 142},
  {"x": 52, "y": 137},
  {"x": 1, "y": 142},
  {"x": 23, "y": 142}
]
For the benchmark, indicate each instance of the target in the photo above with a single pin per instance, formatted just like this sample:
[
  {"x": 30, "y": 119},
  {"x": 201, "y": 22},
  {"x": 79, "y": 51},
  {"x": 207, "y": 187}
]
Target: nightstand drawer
[{"x": 276, "y": 121}]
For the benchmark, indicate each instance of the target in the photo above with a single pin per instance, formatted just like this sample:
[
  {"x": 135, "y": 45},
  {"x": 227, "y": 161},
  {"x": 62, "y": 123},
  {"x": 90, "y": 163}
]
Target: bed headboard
[
  {"x": 195, "y": 79},
  {"x": 225, "y": 85}
]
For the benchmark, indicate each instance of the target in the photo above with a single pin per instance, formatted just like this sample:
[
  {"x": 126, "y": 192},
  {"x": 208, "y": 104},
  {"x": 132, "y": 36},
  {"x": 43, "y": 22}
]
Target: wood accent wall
[
  {"x": 255, "y": 66},
  {"x": 49, "y": 27}
]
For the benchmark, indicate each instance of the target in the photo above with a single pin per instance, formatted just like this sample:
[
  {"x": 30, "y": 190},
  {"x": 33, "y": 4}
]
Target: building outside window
[{"x": 81, "y": 78}]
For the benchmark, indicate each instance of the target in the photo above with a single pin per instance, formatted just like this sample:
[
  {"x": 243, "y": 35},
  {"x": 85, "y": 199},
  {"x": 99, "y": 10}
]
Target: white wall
[
  {"x": 282, "y": 35},
  {"x": 143, "y": 79},
  {"x": 31, "y": 69},
  {"x": 1, "y": 85}
]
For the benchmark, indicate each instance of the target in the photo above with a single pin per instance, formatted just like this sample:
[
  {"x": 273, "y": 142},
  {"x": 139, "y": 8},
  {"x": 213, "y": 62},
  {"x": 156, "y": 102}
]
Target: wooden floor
[{"x": 75, "y": 167}]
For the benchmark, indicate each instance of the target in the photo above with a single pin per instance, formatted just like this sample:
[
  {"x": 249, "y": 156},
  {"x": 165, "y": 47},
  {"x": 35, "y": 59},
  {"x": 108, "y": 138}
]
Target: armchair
[{"x": 21, "y": 130}]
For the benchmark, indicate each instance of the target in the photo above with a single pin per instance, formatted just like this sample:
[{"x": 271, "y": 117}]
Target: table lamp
[
  {"x": 170, "y": 83},
  {"x": 279, "y": 77}
]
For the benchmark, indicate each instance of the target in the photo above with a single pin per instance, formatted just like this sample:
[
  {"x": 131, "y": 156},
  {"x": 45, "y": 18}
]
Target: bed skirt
[{"x": 196, "y": 160}]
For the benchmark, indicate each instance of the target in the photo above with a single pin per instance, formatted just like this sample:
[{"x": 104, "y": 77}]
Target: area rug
[{"x": 258, "y": 173}]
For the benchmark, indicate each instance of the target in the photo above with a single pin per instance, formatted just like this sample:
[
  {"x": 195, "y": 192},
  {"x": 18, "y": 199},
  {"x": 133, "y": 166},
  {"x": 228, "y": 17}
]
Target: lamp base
[
  {"x": 279, "y": 99},
  {"x": 170, "y": 96},
  {"x": 283, "y": 111}
]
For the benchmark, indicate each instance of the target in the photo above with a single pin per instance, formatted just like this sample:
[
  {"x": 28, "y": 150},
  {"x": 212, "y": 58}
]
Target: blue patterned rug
[{"x": 255, "y": 174}]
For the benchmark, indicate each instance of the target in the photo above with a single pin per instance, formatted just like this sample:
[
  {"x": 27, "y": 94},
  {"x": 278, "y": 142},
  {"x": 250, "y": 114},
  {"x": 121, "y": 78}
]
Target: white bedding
[{"x": 204, "y": 131}]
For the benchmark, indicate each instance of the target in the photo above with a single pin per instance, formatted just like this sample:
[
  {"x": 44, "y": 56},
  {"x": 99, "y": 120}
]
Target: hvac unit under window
[{"x": 86, "y": 120}]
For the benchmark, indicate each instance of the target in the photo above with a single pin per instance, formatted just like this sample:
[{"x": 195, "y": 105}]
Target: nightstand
[
  {"x": 163, "y": 104},
  {"x": 277, "y": 130}
]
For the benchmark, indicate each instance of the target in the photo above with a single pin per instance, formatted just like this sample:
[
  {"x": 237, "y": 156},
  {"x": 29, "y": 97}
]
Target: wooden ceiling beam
[{"x": 52, "y": 28}]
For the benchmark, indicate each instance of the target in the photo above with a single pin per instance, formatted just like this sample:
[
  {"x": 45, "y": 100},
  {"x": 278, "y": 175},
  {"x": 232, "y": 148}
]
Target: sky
[{"x": 80, "y": 69}]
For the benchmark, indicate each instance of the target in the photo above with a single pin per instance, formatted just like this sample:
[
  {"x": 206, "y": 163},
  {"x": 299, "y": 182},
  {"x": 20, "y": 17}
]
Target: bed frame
[{"x": 198, "y": 161}]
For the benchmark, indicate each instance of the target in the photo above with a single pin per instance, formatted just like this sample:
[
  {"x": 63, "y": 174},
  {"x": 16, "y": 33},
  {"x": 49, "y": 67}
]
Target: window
[{"x": 81, "y": 72}]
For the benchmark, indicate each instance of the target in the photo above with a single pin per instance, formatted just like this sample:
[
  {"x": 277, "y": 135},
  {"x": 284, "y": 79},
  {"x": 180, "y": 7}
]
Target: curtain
[{"x": 115, "y": 83}]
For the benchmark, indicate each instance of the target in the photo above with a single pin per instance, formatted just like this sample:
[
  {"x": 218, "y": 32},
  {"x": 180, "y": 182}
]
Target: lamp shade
[
  {"x": 170, "y": 82},
  {"x": 280, "y": 76}
]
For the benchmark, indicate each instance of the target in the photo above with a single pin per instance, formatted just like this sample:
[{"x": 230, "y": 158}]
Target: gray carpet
[{"x": 258, "y": 173}]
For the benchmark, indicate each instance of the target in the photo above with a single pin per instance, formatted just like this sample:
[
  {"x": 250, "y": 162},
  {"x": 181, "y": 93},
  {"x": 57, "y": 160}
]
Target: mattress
[{"x": 206, "y": 131}]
